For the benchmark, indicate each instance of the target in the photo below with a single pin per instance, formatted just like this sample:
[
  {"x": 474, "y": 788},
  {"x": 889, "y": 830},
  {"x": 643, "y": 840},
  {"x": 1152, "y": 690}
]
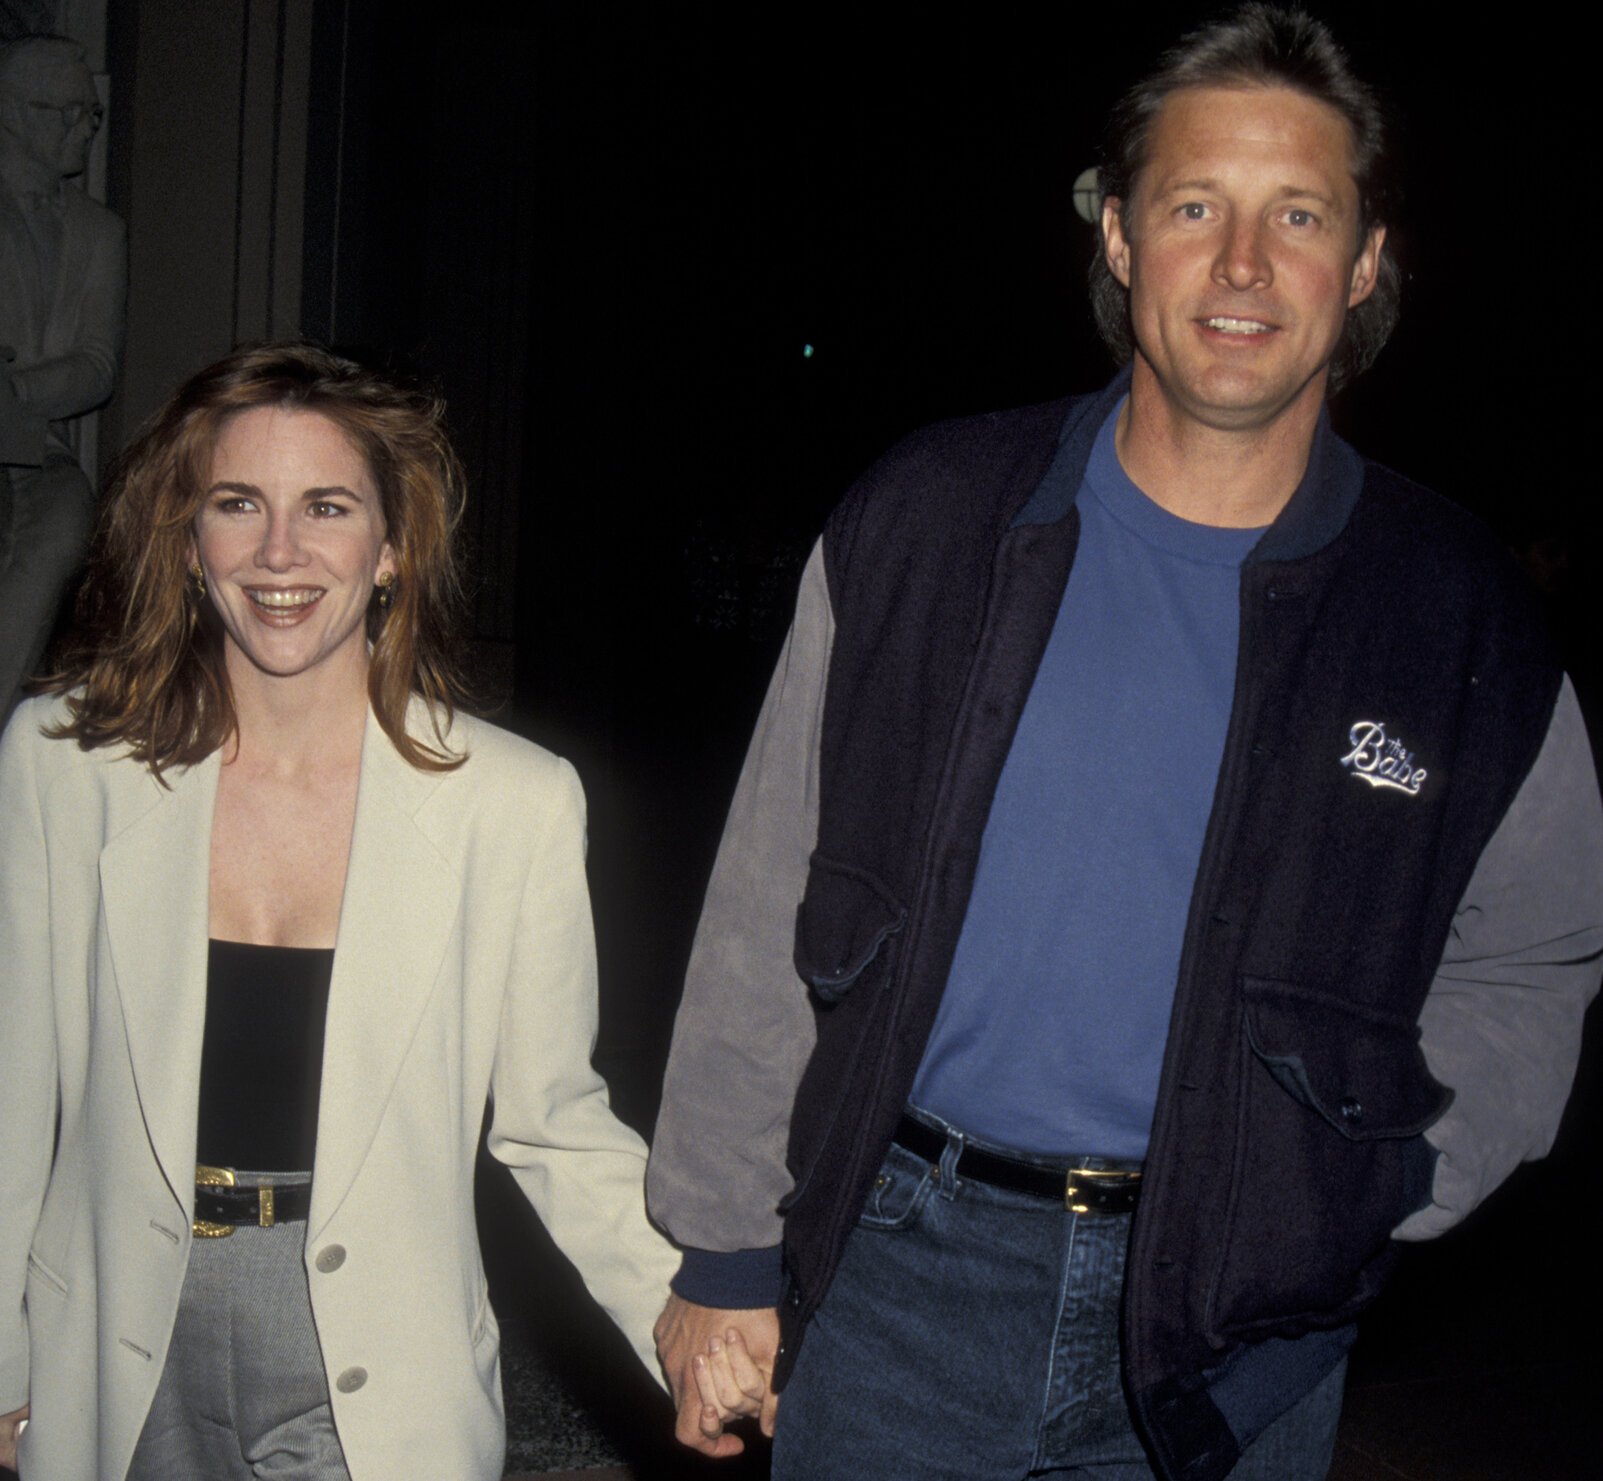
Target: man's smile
[{"x": 1226, "y": 325}]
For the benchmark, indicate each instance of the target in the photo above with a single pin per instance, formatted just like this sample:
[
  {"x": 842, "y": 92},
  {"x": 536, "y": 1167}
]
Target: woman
[{"x": 268, "y": 908}]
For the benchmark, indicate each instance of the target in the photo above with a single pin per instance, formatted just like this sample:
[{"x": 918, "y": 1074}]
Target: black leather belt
[
  {"x": 221, "y": 1207},
  {"x": 1082, "y": 1190}
]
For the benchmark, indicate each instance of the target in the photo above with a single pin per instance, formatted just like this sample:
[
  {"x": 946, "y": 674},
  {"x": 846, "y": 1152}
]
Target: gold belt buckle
[
  {"x": 212, "y": 1177},
  {"x": 223, "y": 1177},
  {"x": 1071, "y": 1189}
]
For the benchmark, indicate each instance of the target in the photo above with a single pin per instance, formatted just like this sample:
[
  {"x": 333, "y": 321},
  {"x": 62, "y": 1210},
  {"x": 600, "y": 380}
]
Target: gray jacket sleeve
[
  {"x": 1502, "y": 1023},
  {"x": 745, "y": 1027}
]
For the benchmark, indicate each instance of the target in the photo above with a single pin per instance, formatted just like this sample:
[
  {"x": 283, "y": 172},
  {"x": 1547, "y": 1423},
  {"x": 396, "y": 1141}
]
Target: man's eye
[
  {"x": 1193, "y": 211},
  {"x": 1299, "y": 217}
]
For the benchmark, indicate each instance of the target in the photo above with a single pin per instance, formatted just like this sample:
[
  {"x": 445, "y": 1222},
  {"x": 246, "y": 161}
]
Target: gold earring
[
  {"x": 200, "y": 579},
  {"x": 386, "y": 590}
]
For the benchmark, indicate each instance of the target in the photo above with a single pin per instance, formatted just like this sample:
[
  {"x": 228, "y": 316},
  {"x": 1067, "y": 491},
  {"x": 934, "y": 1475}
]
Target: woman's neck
[{"x": 298, "y": 724}]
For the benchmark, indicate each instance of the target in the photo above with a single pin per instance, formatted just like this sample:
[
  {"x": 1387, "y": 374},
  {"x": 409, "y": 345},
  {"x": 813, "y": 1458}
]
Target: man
[
  {"x": 1197, "y": 852},
  {"x": 63, "y": 270}
]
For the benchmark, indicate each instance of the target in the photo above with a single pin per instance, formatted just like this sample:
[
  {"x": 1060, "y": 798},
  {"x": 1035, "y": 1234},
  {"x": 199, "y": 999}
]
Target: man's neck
[{"x": 1239, "y": 478}]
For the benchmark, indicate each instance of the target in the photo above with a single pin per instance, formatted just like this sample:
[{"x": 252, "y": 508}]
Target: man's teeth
[
  {"x": 1236, "y": 326},
  {"x": 284, "y": 599}
]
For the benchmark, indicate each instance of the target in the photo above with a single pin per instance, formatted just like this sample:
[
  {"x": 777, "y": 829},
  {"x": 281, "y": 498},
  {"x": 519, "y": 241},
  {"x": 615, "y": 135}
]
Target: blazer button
[
  {"x": 350, "y": 1380},
  {"x": 330, "y": 1258}
]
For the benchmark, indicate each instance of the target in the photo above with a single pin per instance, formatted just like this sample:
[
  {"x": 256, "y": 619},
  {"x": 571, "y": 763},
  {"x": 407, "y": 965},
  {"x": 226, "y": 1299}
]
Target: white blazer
[{"x": 465, "y": 965}]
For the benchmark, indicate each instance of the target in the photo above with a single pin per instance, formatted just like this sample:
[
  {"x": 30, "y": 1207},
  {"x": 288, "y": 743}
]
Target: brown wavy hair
[{"x": 143, "y": 665}]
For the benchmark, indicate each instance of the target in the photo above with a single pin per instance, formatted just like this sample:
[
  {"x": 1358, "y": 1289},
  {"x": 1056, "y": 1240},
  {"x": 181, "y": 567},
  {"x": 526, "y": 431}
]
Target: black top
[{"x": 262, "y": 1061}]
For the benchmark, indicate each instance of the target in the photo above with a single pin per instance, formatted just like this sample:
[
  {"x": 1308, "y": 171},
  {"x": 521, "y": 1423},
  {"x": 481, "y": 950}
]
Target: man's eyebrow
[
  {"x": 1285, "y": 193},
  {"x": 1169, "y": 186}
]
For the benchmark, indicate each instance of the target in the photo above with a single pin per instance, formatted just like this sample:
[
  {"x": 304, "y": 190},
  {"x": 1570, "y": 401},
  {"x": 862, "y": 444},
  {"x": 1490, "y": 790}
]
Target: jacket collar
[
  {"x": 153, "y": 890},
  {"x": 401, "y": 901},
  {"x": 1315, "y": 514}
]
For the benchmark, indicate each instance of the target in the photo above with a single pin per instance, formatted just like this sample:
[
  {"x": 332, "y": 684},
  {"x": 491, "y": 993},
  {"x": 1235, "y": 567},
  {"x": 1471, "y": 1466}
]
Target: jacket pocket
[
  {"x": 845, "y": 928},
  {"x": 37, "y": 1269},
  {"x": 844, "y": 920},
  {"x": 1334, "y": 1099}
]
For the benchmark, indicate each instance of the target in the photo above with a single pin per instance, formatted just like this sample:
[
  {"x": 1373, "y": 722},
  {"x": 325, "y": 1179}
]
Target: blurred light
[
  {"x": 1085, "y": 195},
  {"x": 807, "y": 352}
]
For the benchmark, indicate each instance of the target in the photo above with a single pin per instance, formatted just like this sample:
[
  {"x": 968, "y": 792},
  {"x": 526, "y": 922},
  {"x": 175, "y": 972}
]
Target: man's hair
[
  {"x": 1258, "y": 46},
  {"x": 47, "y": 52},
  {"x": 144, "y": 663}
]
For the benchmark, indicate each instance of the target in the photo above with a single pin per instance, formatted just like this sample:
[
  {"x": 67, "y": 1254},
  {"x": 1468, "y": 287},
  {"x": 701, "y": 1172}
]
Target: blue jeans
[{"x": 972, "y": 1333}]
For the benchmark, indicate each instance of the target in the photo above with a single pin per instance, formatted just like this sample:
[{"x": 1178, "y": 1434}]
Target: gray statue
[{"x": 63, "y": 282}]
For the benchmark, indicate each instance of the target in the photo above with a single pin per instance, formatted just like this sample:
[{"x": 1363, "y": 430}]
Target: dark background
[{"x": 608, "y": 231}]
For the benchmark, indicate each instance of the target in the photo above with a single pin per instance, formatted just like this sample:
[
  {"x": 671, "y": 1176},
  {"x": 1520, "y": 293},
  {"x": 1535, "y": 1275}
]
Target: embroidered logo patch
[{"x": 1381, "y": 761}]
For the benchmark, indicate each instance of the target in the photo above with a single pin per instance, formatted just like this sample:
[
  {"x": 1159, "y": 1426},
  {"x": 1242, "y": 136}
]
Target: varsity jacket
[{"x": 1395, "y": 700}]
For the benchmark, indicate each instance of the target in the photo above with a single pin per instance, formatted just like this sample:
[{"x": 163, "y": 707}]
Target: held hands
[
  {"x": 718, "y": 1364},
  {"x": 10, "y": 1427}
]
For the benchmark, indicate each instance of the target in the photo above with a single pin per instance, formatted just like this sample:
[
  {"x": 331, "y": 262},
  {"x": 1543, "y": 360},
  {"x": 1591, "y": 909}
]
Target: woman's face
[{"x": 290, "y": 537}]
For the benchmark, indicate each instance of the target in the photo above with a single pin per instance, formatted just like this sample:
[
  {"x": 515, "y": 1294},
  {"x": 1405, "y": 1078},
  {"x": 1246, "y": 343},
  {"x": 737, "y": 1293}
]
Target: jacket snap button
[
  {"x": 1352, "y": 1110},
  {"x": 350, "y": 1380},
  {"x": 330, "y": 1258}
]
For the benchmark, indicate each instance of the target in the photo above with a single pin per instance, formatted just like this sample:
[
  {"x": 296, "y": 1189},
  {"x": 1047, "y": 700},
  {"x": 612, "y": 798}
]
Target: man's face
[
  {"x": 52, "y": 112},
  {"x": 1241, "y": 253}
]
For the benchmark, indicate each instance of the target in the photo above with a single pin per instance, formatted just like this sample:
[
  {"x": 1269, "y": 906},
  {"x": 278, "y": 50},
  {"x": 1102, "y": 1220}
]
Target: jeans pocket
[{"x": 900, "y": 1191}]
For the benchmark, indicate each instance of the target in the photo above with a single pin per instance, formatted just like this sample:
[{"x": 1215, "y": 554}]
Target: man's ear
[
  {"x": 1366, "y": 270},
  {"x": 1114, "y": 242}
]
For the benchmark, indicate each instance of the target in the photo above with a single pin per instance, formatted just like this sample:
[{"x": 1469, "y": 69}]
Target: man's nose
[{"x": 1243, "y": 260}]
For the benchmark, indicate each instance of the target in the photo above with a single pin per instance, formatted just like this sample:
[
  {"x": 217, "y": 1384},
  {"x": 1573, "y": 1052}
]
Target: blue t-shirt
[{"x": 1052, "y": 1028}]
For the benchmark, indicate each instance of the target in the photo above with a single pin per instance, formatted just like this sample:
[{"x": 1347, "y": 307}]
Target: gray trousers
[
  {"x": 243, "y": 1393},
  {"x": 46, "y": 515}
]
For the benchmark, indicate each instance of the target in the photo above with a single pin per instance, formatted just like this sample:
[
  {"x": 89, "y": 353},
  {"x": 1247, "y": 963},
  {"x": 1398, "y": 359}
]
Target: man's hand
[
  {"x": 10, "y": 1426},
  {"x": 719, "y": 1364}
]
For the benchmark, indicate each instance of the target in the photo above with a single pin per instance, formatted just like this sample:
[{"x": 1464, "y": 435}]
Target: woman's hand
[
  {"x": 10, "y": 1427},
  {"x": 732, "y": 1383},
  {"x": 717, "y": 1363}
]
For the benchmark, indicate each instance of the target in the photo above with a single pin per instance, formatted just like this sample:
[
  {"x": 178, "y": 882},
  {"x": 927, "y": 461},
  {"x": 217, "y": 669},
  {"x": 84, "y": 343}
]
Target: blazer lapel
[
  {"x": 153, "y": 885},
  {"x": 401, "y": 901}
]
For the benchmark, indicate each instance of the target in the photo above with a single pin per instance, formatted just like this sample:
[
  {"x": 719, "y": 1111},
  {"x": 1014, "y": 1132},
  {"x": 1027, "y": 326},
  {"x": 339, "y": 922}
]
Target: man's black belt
[{"x": 1082, "y": 1190}]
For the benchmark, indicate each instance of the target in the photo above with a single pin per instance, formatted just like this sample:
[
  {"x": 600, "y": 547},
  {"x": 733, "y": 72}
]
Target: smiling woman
[
  {"x": 290, "y": 542},
  {"x": 275, "y": 929},
  {"x": 152, "y": 664}
]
